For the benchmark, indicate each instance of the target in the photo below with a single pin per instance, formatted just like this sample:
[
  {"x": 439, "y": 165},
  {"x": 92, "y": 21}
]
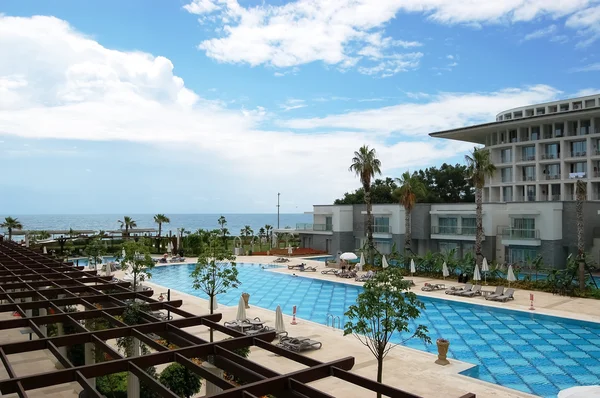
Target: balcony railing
[
  {"x": 550, "y": 198},
  {"x": 553, "y": 176},
  {"x": 518, "y": 233},
  {"x": 546, "y": 156},
  {"x": 578, "y": 154},
  {"x": 313, "y": 227},
  {"x": 526, "y": 198},
  {"x": 381, "y": 229},
  {"x": 448, "y": 230}
]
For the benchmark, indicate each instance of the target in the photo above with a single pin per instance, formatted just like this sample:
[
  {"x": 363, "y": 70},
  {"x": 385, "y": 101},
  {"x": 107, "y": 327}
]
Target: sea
[{"x": 191, "y": 222}]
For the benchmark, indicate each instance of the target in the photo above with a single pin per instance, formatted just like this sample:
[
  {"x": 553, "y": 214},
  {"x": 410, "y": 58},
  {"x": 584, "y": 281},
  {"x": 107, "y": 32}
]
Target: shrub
[{"x": 180, "y": 380}]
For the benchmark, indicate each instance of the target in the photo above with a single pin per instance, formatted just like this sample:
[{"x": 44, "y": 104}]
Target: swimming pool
[
  {"x": 83, "y": 261},
  {"x": 320, "y": 258},
  {"x": 529, "y": 352}
]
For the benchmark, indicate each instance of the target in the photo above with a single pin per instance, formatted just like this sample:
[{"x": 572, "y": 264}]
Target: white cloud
[
  {"x": 450, "y": 56},
  {"x": 292, "y": 104},
  {"x": 538, "y": 34},
  {"x": 67, "y": 86},
  {"x": 393, "y": 65},
  {"x": 349, "y": 32},
  {"x": 587, "y": 68},
  {"x": 585, "y": 92},
  {"x": 443, "y": 111}
]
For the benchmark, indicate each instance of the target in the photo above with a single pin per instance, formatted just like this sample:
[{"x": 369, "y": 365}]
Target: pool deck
[{"x": 405, "y": 368}]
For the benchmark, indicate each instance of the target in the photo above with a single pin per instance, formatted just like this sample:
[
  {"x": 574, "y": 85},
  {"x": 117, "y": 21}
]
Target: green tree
[
  {"x": 137, "y": 259},
  {"x": 269, "y": 232},
  {"x": 95, "y": 249},
  {"x": 223, "y": 230},
  {"x": 160, "y": 219},
  {"x": 10, "y": 224},
  {"x": 246, "y": 232},
  {"x": 381, "y": 193},
  {"x": 411, "y": 187},
  {"x": 366, "y": 165},
  {"x": 479, "y": 167},
  {"x": 215, "y": 272},
  {"x": 127, "y": 223},
  {"x": 446, "y": 184},
  {"x": 385, "y": 306},
  {"x": 581, "y": 194},
  {"x": 180, "y": 380}
]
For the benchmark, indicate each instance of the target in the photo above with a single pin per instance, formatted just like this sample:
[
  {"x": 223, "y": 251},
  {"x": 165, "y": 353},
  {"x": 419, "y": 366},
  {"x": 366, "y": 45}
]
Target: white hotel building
[{"x": 539, "y": 151}]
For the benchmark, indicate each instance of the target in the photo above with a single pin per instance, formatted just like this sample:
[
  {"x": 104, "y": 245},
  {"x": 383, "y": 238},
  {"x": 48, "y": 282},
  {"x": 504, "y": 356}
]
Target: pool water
[
  {"x": 83, "y": 261},
  {"x": 320, "y": 258},
  {"x": 533, "y": 353}
]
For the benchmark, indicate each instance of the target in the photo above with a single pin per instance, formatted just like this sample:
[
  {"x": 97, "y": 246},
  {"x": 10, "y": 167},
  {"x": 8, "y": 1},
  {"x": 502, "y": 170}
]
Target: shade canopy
[
  {"x": 445, "y": 271},
  {"x": 348, "y": 256},
  {"x": 279, "y": 325},
  {"x": 361, "y": 264},
  {"x": 384, "y": 262},
  {"x": 241, "y": 311},
  {"x": 476, "y": 273},
  {"x": 484, "y": 265},
  {"x": 413, "y": 269}
]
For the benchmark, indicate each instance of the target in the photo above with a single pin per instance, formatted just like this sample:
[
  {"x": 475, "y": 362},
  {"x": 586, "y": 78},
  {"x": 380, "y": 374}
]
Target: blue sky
[{"x": 216, "y": 105}]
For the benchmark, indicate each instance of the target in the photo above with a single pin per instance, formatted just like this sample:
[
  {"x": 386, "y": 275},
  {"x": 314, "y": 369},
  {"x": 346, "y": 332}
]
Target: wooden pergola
[{"x": 31, "y": 281}]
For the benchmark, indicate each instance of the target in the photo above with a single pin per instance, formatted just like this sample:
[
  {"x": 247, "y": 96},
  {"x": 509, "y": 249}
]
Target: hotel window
[
  {"x": 578, "y": 148},
  {"x": 383, "y": 246},
  {"x": 535, "y": 133},
  {"x": 530, "y": 193},
  {"x": 469, "y": 225},
  {"x": 529, "y": 173},
  {"x": 552, "y": 151},
  {"x": 381, "y": 225},
  {"x": 506, "y": 174},
  {"x": 468, "y": 247},
  {"x": 506, "y": 156},
  {"x": 329, "y": 223},
  {"x": 528, "y": 153},
  {"x": 507, "y": 194},
  {"x": 448, "y": 225},
  {"x": 523, "y": 228},
  {"x": 521, "y": 254},
  {"x": 579, "y": 167},
  {"x": 552, "y": 172},
  {"x": 447, "y": 247}
]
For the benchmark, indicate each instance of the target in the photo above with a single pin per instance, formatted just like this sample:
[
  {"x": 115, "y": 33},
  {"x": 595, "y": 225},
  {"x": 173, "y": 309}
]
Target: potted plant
[{"x": 442, "y": 346}]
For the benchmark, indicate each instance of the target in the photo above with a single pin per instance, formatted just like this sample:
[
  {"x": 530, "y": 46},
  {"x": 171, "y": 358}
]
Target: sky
[{"x": 209, "y": 106}]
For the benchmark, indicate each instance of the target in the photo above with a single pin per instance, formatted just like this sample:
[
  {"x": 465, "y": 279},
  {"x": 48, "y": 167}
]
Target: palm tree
[
  {"x": 10, "y": 224},
  {"x": 411, "y": 188},
  {"x": 224, "y": 231},
  {"x": 269, "y": 232},
  {"x": 581, "y": 194},
  {"x": 366, "y": 165},
  {"x": 128, "y": 223},
  {"x": 248, "y": 232},
  {"x": 261, "y": 235},
  {"x": 160, "y": 219},
  {"x": 479, "y": 167}
]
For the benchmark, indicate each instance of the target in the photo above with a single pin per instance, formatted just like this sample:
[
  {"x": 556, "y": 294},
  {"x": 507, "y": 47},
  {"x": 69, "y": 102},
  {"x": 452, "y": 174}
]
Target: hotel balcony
[
  {"x": 552, "y": 176},
  {"x": 459, "y": 233},
  {"x": 518, "y": 236},
  {"x": 322, "y": 229}
]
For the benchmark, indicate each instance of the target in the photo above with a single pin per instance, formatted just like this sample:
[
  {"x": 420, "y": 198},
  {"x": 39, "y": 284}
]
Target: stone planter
[
  {"x": 442, "y": 346},
  {"x": 246, "y": 298}
]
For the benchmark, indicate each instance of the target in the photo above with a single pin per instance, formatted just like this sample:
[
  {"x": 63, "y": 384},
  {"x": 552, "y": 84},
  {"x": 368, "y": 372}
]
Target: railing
[
  {"x": 527, "y": 158},
  {"x": 553, "y": 176},
  {"x": 448, "y": 230},
  {"x": 550, "y": 198},
  {"x": 505, "y": 159},
  {"x": 546, "y": 156},
  {"x": 578, "y": 154},
  {"x": 381, "y": 229},
  {"x": 518, "y": 233},
  {"x": 527, "y": 198},
  {"x": 313, "y": 227}
]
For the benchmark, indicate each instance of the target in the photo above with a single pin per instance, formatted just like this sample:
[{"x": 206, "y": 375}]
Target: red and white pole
[
  {"x": 531, "y": 299},
  {"x": 294, "y": 316}
]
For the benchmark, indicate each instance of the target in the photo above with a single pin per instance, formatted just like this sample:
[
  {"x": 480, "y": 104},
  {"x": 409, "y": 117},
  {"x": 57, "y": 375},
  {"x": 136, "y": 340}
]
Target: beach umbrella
[
  {"x": 241, "y": 312},
  {"x": 580, "y": 392},
  {"x": 214, "y": 303},
  {"x": 445, "y": 271},
  {"x": 279, "y": 325},
  {"x": 123, "y": 254},
  {"x": 510, "y": 275},
  {"x": 44, "y": 250},
  {"x": 361, "y": 264},
  {"x": 290, "y": 250},
  {"x": 384, "y": 262},
  {"x": 476, "y": 274},
  {"x": 485, "y": 268},
  {"x": 348, "y": 256},
  {"x": 169, "y": 247},
  {"x": 413, "y": 269}
]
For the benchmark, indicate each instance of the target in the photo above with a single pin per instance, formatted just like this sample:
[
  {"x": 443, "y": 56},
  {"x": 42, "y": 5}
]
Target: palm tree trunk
[
  {"x": 479, "y": 224},
  {"x": 9, "y": 234},
  {"x": 407, "y": 230},
  {"x": 370, "y": 226},
  {"x": 580, "y": 241},
  {"x": 159, "y": 228}
]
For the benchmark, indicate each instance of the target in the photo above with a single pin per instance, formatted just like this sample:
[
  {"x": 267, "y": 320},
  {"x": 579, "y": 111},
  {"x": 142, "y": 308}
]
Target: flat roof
[{"x": 475, "y": 132}]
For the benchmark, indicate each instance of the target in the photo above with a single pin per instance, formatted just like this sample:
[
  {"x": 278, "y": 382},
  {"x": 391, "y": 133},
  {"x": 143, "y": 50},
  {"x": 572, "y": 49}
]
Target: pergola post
[
  {"x": 90, "y": 359},
  {"x": 212, "y": 389},
  {"x": 133, "y": 383},
  {"x": 43, "y": 328}
]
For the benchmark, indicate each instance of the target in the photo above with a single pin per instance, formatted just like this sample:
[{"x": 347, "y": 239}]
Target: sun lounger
[
  {"x": 471, "y": 293},
  {"x": 365, "y": 277},
  {"x": 332, "y": 271},
  {"x": 456, "y": 290},
  {"x": 299, "y": 344},
  {"x": 499, "y": 292},
  {"x": 349, "y": 274},
  {"x": 430, "y": 287},
  {"x": 281, "y": 260},
  {"x": 297, "y": 266},
  {"x": 307, "y": 269},
  {"x": 508, "y": 295}
]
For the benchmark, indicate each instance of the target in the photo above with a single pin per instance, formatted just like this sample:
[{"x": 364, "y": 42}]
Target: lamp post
[{"x": 278, "y": 209}]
